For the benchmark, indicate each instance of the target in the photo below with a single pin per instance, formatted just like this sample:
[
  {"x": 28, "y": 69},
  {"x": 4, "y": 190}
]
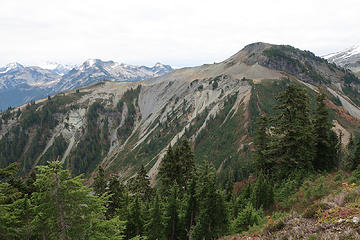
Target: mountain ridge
[
  {"x": 20, "y": 84},
  {"x": 348, "y": 58},
  {"x": 214, "y": 105}
]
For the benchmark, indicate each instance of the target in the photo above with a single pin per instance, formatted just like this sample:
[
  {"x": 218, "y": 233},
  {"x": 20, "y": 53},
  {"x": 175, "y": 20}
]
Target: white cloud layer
[{"x": 180, "y": 33}]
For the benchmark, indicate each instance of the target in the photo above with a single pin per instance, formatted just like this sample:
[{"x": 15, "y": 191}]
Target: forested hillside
[{"x": 299, "y": 177}]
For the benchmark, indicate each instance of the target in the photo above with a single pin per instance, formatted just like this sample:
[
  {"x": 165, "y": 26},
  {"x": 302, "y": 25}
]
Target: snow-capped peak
[
  {"x": 14, "y": 65},
  {"x": 56, "y": 67},
  {"x": 11, "y": 67},
  {"x": 49, "y": 65},
  {"x": 90, "y": 62},
  {"x": 349, "y": 55},
  {"x": 355, "y": 49},
  {"x": 159, "y": 65}
]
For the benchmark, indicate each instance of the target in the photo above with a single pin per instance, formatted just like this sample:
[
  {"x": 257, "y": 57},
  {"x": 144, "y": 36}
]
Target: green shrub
[
  {"x": 313, "y": 237},
  {"x": 246, "y": 218},
  {"x": 339, "y": 176},
  {"x": 320, "y": 190},
  {"x": 356, "y": 175},
  {"x": 310, "y": 212},
  {"x": 283, "y": 192},
  {"x": 351, "y": 197},
  {"x": 278, "y": 215}
]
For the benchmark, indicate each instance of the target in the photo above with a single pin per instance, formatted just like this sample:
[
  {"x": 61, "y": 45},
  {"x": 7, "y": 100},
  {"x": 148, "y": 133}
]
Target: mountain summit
[{"x": 349, "y": 58}]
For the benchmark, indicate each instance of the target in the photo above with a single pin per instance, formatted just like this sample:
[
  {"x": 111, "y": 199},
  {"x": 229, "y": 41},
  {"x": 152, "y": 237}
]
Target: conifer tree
[
  {"x": 167, "y": 171},
  {"x": 262, "y": 160},
  {"x": 293, "y": 146},
  {"x": 191, "y": 207},
  {"x": 135, "y": 221},
  {"x": 24, "y": 211},
  {"x": 172, "y": 219},
  {"x": 177, "y": 166},
  {"x": 325, "y": 157},
  {"x": 261, "y": 193},
  {"x": 116, "y": 203},
  {"x": 187, "y": 163},
  {"x": 9, "y": 194},
  {"x": 140, "y": 185},
  {"x": 65, "y": 209},
  {"x": 211, "y": 220},
  {"x": 155, "y": 227},
  {"x": 100, "y": 182},
  {"x": 355, "y": 156}
]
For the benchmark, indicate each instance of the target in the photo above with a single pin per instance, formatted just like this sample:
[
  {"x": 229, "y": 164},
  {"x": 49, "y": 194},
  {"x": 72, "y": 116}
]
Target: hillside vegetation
[{"x": 300, "y": 184}]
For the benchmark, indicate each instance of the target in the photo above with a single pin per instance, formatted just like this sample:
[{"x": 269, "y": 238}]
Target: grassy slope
[{"x": 323, "y": 207}]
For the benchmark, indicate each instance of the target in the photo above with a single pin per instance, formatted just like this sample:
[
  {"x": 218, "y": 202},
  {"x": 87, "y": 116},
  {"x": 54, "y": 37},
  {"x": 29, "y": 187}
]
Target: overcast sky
[{"x": 179, "y": 33}]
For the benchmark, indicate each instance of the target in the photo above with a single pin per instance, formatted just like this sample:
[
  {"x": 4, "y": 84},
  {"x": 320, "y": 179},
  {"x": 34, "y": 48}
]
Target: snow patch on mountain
[
  {"x": 346, "y": 57},
  {"x": 57, "y": 68}
]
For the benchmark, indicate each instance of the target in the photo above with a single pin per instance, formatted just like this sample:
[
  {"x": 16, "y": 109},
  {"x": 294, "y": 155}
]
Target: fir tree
[
  {"x": 100, "y": 182},
  {"x": 167, "y": 169},
  {"x": 65, "y": 209},
  {"x": 187, "y": 163},
  {"x": 155, "y": 227},
  {"x": 212, "y": 217},
  {"x": 135, "y": 221},
  {"x": 355, "y": 156},
  {"x": 140, "y": 185},
  {"x": 24, "y": 211},
  {"x": 117, "y": 193},
  {"x": 177, "y": 166},
  {"x": 172, "y": 218},
  {"x": 262, "y": 161},
  {"x": 191, "y": 208},
  {"x": 261, "y": 193},
  {"x": 293, "y": 144},
  {"x": 325, "y": 143},
  {"x": 9, "y": 221}
]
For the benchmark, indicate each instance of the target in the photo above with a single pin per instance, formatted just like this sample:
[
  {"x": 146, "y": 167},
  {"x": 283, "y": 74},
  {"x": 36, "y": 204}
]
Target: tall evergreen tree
[
  {"x": 261, "y": 193},
  {"x": 212, "y": 217},
  {"x": 135, "y": 219},
  {"x": 293, "y": 146},
  {"x": 186, "y": 162},
  {"x": 100, "y": 182},
  {"x": 24, "y": 211},
  {"x": 191, "y": 208},
  {"x": 9, "y": 194},
  {"x": 167, "y": 169},
  {"x": 66, "y": 209},
  {"x": 117, "y": 193},
  {"x": 355, "y": 156},
  {"x": 172, "y": 219},
  {"x": 155, "y": 228},
  {"x": 325, "y": 157},
  {"x": 177, "y": 166},
  {"x": 140, "y": 185},
  {"x": 262, "y": 161}
]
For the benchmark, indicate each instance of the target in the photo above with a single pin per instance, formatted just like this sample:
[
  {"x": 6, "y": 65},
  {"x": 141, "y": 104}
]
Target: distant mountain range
[
  {"x": 20, "y": 84},
  {"x": 349, "y": 58}
]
